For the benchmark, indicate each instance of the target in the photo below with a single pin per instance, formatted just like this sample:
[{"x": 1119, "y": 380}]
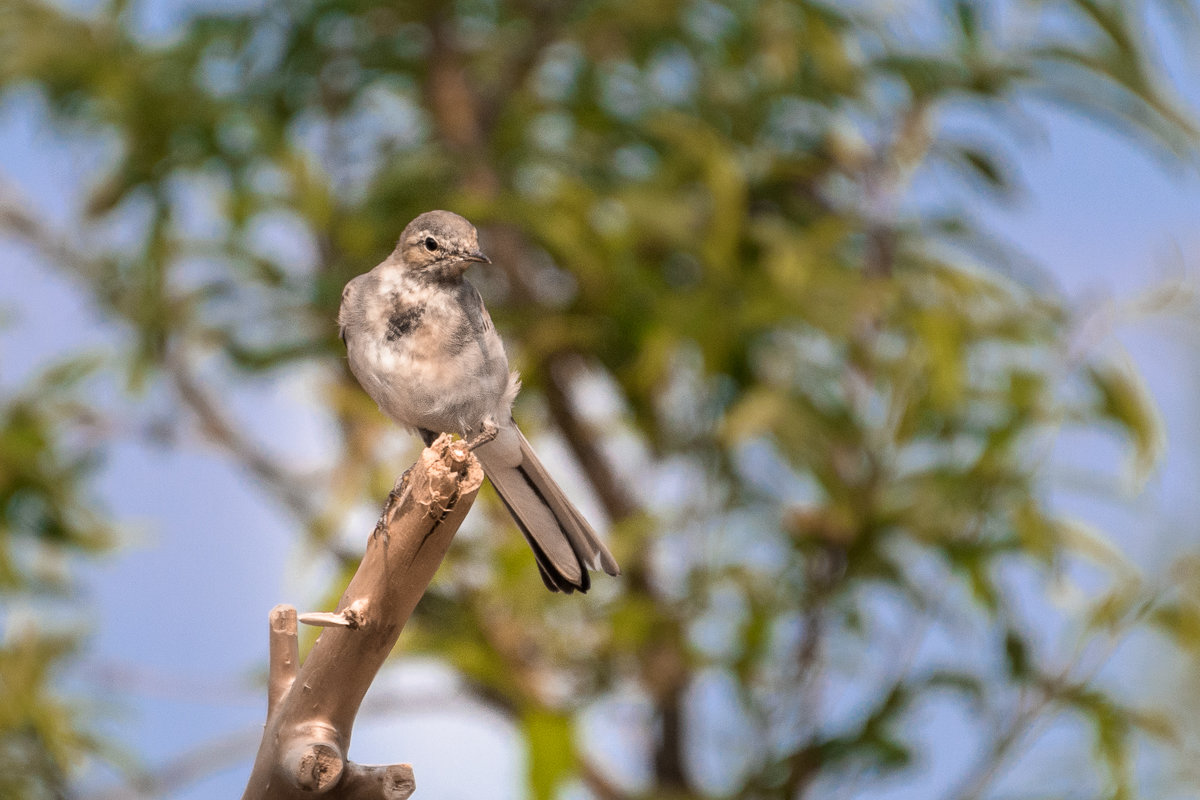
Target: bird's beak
[{"x": 477, "y": 257}]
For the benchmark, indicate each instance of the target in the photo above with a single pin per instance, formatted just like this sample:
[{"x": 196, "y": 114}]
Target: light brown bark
[{"x": 311, "y": 707}]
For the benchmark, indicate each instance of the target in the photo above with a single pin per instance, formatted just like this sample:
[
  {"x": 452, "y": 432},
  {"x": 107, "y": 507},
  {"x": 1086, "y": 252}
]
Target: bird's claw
[{"x": 490, "y": 429}]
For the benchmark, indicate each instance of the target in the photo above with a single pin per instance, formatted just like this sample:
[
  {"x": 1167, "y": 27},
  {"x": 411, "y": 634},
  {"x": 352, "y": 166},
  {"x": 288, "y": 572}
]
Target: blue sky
[{"x": 178, "y": 618}]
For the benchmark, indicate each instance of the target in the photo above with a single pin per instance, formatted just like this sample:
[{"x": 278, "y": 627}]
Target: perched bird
[{"x": 424, "y": 348}]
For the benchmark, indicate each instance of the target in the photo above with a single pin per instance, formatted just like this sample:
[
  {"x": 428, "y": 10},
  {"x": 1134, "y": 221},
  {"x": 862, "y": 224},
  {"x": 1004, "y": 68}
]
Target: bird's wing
[
  {"x": 476, "y": 311},
  {"x": 348, "y": 308}
]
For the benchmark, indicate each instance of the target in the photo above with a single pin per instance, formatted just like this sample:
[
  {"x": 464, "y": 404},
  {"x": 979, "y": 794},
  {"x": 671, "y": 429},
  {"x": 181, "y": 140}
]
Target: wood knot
[{"x": 317, "y": 767}]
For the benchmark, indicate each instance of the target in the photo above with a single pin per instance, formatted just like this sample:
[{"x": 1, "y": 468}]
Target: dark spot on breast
[
  {"x": 403, "y": 322},
  {"x": 459, "y": 338}
]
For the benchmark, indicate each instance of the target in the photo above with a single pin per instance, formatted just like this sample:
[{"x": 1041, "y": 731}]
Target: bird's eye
[{"x": 431, "y": 244}]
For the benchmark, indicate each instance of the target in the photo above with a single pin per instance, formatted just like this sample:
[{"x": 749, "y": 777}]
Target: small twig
[
  {"x": 1024, "y": 721},
  {"x": 351, "y": 617},
  {"x": 22, "y": 223}
]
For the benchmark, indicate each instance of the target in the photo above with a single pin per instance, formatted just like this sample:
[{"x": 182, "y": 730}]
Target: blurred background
[{"x": 867, "y": 333}]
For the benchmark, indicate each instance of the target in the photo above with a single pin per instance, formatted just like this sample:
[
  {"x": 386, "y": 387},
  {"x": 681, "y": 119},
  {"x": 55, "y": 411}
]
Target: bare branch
[
  {"x": 185, "y": 770},
  {"x": 20, "y": 222},
  {"x": 291, "y": 490},
  {"x": 304, "y": 744},
  {"x": 598, "y": 782},
  {"x": 216, "y": 423},
  {"x": 613, "y": 493}
]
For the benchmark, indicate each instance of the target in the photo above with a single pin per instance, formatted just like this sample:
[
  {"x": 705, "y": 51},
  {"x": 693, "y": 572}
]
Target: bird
[{"x": 421, "y": 343}]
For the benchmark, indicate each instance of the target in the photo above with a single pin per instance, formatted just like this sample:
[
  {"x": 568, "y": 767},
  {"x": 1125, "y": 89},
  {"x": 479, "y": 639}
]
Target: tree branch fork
[{"x": 311, "y": 707}]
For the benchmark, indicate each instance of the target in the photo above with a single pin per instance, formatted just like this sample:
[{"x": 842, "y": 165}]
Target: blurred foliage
[
  {"x": 44, "y": 508},
  {"x": 41, "y": 738},
  {"x": 704, "y": 212},
  {"x": 47, "y": 516}
]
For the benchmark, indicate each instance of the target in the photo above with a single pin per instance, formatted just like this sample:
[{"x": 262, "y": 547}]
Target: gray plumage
[{"x": 424, "y": 348}]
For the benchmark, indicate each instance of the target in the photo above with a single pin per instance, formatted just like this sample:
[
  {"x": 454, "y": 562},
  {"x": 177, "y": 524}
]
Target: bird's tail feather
[{"x": 563, "y": 543}]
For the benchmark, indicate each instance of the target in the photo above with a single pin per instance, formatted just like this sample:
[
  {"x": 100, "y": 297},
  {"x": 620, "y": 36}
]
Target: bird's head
[{"x": 440, "y": 243}]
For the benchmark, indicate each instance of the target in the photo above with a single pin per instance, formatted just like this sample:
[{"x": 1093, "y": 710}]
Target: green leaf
[
  {"x": 984, "y": 166},
  {"x": 1123, "y": 400},
  {"x": 1016, "y": 655},
  {"x": 549, "y": 736}
]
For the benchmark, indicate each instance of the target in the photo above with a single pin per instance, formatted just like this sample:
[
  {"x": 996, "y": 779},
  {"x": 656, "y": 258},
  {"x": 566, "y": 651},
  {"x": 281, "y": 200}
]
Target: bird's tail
[{"x": 563, "y": 543}]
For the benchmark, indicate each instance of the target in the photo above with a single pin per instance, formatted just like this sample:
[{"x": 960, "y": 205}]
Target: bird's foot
[{"x": 489, "y": 431}]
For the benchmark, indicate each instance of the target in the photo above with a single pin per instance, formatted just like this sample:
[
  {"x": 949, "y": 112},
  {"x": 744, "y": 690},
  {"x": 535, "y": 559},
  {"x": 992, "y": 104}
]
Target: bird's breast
[{"x": 427, "y": 365}]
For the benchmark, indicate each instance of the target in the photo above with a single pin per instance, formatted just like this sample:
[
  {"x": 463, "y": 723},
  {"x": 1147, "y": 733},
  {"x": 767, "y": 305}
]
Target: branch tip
[
  {"x": 399, "y": 782},
  {"x": 283, "y": 619},
  {"x": 376, "y": 782},
  {"x": 459, "y": 453}
]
